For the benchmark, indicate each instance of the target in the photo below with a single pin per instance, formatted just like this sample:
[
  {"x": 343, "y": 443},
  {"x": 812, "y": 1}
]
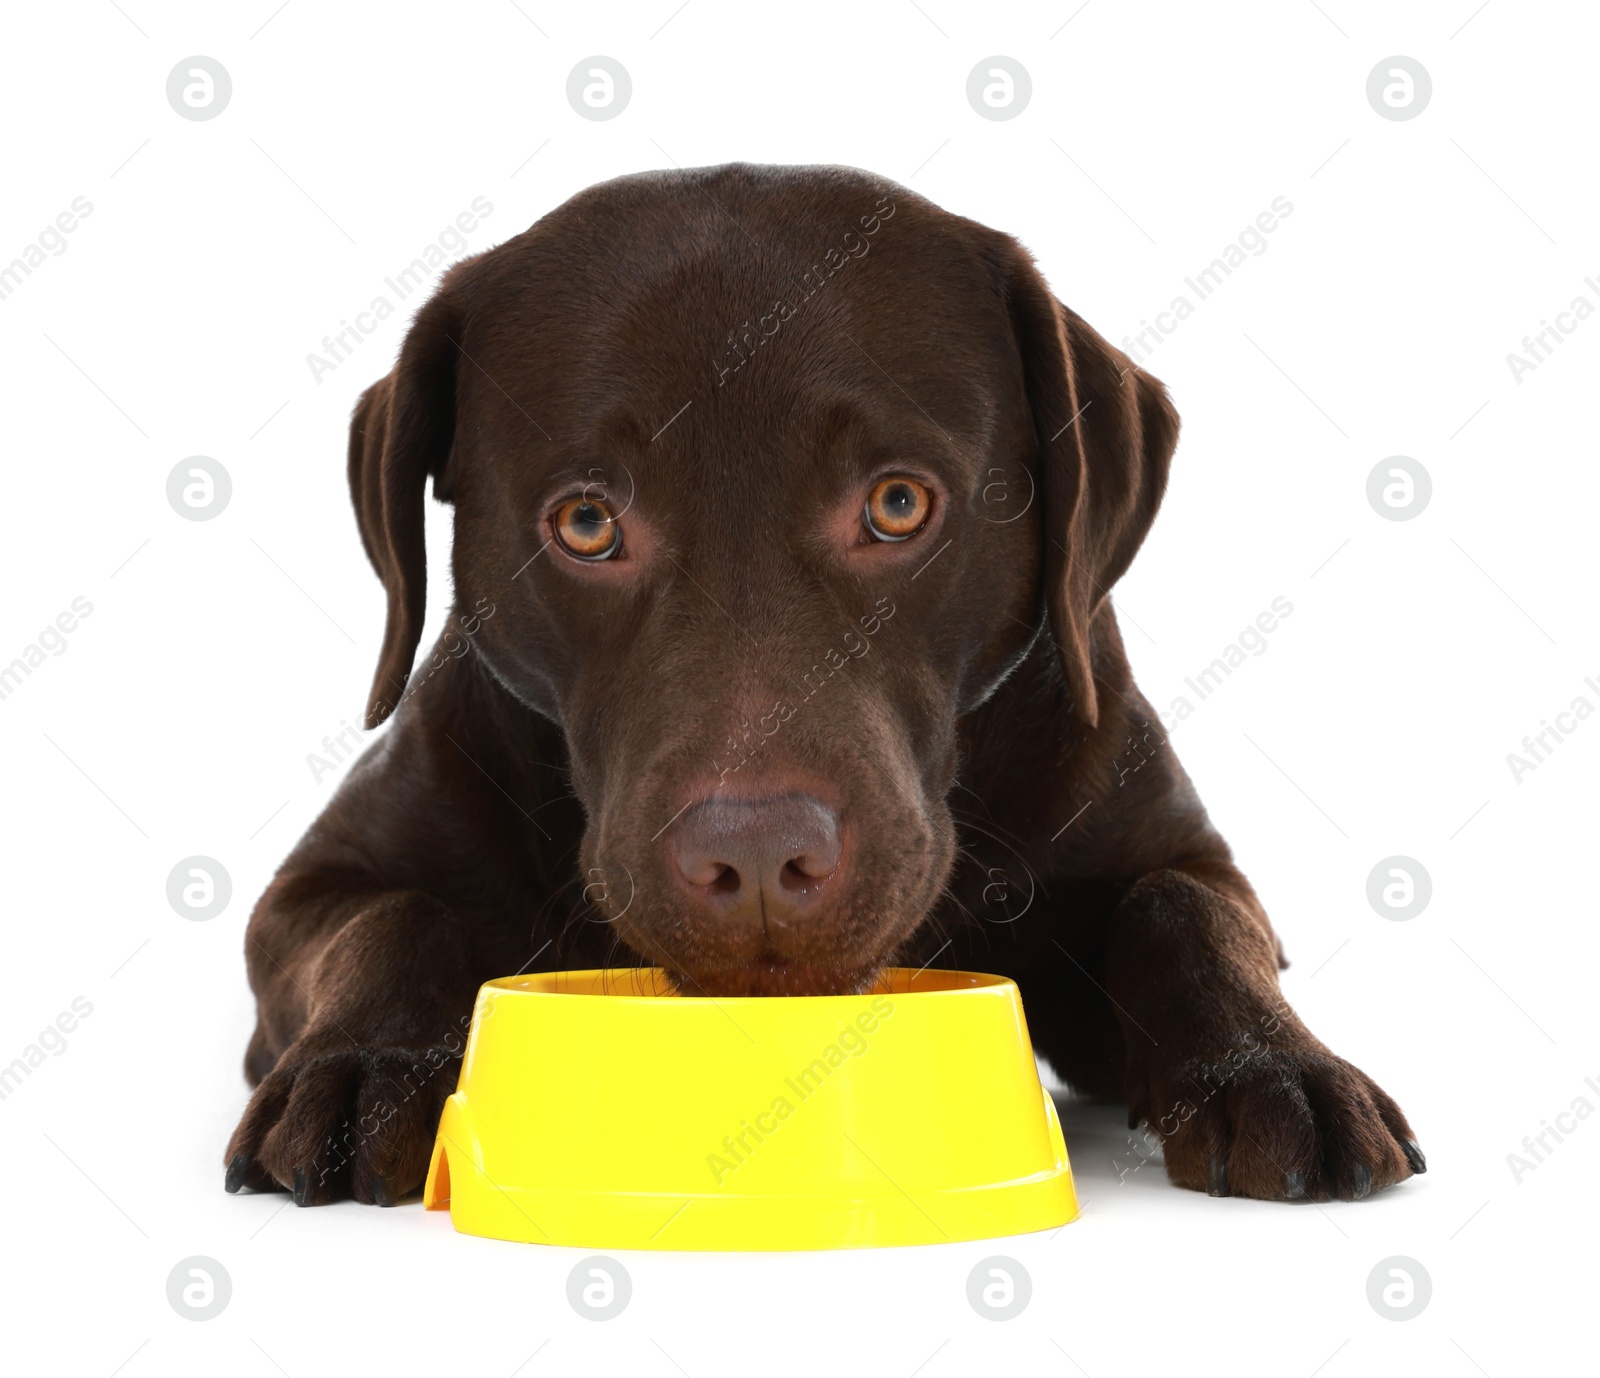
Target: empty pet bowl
[{"x": 599, "y": 1109}]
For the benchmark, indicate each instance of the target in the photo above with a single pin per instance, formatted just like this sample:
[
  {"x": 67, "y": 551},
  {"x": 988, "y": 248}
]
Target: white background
[{"x": 1419, "y": 653}]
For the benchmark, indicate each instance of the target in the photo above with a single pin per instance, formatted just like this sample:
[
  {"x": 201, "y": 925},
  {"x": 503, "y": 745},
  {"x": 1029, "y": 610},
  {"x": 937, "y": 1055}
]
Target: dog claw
[
  {"x": 302, "y": 1187},
  {"x": 383, "y": 1193},
  {"x": 1414, "y": 1156},
  {"x": 1216, "y": 1178},
  {"x": 1294, "y": 1185},
  {"x": 238, "y": 1171},
  {"x": 1363, "y": 1183}
]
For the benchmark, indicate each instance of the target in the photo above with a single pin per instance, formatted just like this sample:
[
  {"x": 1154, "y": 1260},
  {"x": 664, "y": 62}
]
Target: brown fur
[{"x": 960, "y": 703}]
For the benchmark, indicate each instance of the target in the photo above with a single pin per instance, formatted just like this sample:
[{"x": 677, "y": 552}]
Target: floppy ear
[
  {"x": 1105, "y": 433},
  {"x": 401, "y": 432}
]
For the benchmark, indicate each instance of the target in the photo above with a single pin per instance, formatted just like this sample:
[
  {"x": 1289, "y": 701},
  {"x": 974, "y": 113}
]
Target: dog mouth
[{"x": 772, "y": 974}]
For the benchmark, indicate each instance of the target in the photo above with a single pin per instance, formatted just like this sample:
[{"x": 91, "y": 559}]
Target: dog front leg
[
  {"x": 364, "y": 1004},
  {"x": 1243, "y": 1098}
]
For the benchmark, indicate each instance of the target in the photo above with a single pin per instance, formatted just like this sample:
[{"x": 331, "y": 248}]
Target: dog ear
[
  {"x": 1105, "y": 435},
  {"x": 402, "y": 432}
]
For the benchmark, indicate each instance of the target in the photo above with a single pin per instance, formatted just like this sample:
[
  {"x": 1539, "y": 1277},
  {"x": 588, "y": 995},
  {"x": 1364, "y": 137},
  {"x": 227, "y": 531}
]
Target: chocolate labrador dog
[{"x": 787, "y": 511}]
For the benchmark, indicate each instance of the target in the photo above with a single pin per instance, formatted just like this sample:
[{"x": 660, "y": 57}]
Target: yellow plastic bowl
[{"x": 599, "y": 1109}]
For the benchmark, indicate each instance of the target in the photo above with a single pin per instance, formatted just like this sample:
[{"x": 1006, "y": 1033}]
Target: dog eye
[
  {"x": 586, "y": 529},
  {"x": 896, "y": 509}
]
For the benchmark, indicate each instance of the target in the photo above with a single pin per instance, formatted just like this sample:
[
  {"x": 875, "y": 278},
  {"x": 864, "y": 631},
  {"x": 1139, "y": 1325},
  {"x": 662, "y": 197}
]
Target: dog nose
[{"x": 758, "y": 858}]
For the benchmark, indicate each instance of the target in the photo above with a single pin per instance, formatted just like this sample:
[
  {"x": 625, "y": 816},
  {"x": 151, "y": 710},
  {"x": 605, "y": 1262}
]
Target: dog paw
[
  {"x": 328, "y": 1123},
  {"x": 1279, "y": 1125}
]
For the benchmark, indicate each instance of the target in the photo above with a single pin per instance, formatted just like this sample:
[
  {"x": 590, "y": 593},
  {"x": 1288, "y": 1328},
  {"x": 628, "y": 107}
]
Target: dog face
[{"x": 770, "y": 477}]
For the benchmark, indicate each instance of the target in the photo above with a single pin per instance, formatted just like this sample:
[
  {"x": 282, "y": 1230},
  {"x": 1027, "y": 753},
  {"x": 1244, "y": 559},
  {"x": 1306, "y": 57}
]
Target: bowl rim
[{"x": 891, "y": 984}]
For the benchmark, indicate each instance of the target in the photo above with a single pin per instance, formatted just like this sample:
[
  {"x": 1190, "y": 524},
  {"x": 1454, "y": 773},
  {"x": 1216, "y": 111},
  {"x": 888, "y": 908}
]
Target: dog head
[{"x": 771, "y": 476}]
